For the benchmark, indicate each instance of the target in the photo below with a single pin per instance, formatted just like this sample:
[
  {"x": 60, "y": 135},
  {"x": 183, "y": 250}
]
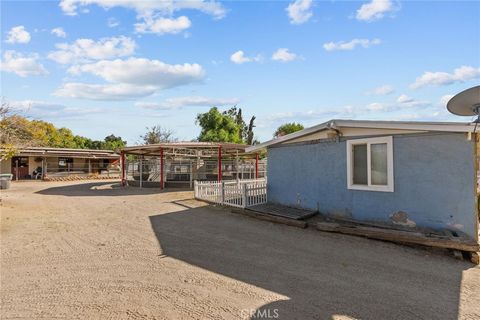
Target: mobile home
[{"x": 418, "y": 174}]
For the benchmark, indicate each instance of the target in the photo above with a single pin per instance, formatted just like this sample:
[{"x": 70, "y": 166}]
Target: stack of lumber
[
  {"x": 449, "y": 239},
  {"x": 271, "y": 218}
]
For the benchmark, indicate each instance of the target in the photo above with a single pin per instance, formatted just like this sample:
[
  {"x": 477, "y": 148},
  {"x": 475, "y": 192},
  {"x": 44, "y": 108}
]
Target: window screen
[
  {"x": 379, "y": 163},
  {"x": 360, "y": 167},
  {"x": 370, "y": 164}
]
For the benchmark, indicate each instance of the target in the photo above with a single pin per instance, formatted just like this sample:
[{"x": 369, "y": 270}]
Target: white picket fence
[{"x": 240, "y": 194}]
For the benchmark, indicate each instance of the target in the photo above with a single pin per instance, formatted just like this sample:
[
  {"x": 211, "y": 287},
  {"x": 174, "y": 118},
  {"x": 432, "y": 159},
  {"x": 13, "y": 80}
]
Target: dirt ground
[{"x": 93, "y": 250}]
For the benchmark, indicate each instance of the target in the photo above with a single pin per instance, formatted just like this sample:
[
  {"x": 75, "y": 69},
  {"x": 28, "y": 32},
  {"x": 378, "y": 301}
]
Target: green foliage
[
  {"x": 45, "y": 134},
  {"x": 218, "y": 127},
  {"x": 227, "y": 126},
  {"x": 7, "y": 151},
  {"x": 113, "y": 142},
  {"x": 17, "y": 132},
  {"x": 82, "y": 142},
  {"x": 287, "y": 128},
  {"x": 13, "y": 131}
]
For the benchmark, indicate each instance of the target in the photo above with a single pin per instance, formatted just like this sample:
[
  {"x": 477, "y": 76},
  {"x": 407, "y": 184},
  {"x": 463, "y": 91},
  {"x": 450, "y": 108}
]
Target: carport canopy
[
  {"x": 189, "y": 149},
  {"x": 195, "y": 149}
]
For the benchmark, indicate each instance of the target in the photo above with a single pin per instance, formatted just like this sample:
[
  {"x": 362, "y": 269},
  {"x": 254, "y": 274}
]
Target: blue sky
[{"x": 117, "y": 66}]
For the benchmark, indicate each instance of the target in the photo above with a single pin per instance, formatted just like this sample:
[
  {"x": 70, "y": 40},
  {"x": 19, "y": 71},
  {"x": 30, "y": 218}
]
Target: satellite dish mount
[{"x": 466, "y": 103}]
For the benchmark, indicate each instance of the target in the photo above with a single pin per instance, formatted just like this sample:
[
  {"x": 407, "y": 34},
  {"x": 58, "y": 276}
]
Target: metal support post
[
  {"x": 256, "y": 166},
  {"x": 162, "y": 164},
  {"x": 141, "y": 172},
  {"x": 219, "y": 178},
  {"x": 123, "y": 167}
]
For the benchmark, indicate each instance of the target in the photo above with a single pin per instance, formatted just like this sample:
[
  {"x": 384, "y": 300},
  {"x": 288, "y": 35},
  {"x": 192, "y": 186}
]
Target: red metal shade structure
[{"x": 174, "y": 161}]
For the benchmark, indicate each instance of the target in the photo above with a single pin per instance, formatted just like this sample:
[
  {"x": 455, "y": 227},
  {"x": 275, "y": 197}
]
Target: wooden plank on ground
[
  {"x": 400, "y": 236},
  {"x": 271, "y": 218},
  {"x": 475, "y": 258},
  {"x": 282, "y": 211}
]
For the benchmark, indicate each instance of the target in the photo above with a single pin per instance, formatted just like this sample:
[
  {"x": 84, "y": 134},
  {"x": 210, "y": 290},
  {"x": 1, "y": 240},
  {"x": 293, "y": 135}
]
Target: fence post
[
  {"x": 162, "y": 165},
  {"x": 195, "y": 191},
  {"x": 244, "y": 195},
  {"x": 191, "y": 174},
  {"x": 256, "y": 166},
  {"x": 222, "y": 185},
  {"x": 141, "y": 173}
]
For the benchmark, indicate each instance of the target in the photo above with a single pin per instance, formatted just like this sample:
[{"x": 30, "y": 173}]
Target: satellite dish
[{"x": 466, "y": 103}]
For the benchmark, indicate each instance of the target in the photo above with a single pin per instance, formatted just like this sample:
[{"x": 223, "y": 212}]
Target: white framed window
[{"x": 370, "y": 164}]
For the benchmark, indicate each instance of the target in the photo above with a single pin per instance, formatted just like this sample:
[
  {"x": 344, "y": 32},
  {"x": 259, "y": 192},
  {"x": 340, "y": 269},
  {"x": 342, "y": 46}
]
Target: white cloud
[
  {"x": 445, "y": 98},
  {"x": 103, "y": 91},
  {"x": 316, "y": 115},
  {"x": 376, "y": 107},
  {"x": 163, "y": 25},
  {"x": 350, "y": 45},
  {"x": 300, "y": 11},
  {"x": 112, "y": 22},
  {"x": 153, "y": 16},
  {"x": 462, "y": 74},
  {"x": 374, "y": 10},
  {"x": 44, "y": 109},
  {"x": 284, "y": 55},
  {"x": 403, "y": 98},
  {"x": 387, "y": 111},
  {"x": 140, "y": 71},
  {"x": 403, "y": 101},
  {"x": 18, "y": 34},
  {"x": 179, "y": 102},
  {"x": 21, "y": 64},
  {"x": 383, "y": 90},
  {"x": 84, "y": 50},
  {"x": 148, "y": 8},
  {"x": 239, "y": 57},
  {"x": 131, "y": 78},
  {"x": 59, "y": 32},
  {"x": 25, "y": 105}
]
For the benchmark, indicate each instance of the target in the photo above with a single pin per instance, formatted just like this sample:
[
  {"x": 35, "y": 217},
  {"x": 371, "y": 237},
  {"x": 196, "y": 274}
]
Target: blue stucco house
[{"x": 420, "y": 174}]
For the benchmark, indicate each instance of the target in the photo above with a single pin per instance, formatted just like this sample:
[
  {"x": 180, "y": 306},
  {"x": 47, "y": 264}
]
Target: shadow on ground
[
  {"x": 102, "y": 188},
  {"x": 325, "y": 276}
]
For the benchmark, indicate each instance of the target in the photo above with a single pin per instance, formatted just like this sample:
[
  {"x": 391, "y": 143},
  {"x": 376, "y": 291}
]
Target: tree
[
  {"x": 14, "y": 131},
  {"x": 13, "y": 128},
  {"x": 65, "y": 138},
  {"x": 113, "y": 142},
  {"x": 82, "y": 142},
  {"x": 249, "y": 134},
  {"x": 226, "y": 126},
  {"x": 157, "y": 134},
  {"x": 17, "y": 131},
  {"x": 287, "y": 128},
  {"x": 219, "y": 127}
]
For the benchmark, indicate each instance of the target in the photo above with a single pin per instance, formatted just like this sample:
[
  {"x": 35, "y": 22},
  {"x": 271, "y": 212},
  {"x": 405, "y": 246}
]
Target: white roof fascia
[{"x": 336, "y": 123}]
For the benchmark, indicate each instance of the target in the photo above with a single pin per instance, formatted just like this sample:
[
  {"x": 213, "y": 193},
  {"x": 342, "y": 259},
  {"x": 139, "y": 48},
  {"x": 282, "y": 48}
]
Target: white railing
[{"x": 240, "y": 194}]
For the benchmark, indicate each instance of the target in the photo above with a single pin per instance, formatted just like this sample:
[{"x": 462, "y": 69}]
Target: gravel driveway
[{"x": 93, "y": 250}]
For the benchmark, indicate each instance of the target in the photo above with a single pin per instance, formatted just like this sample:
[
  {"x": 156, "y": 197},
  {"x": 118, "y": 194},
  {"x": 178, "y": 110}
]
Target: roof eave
[{"x": 338, "y": 123}]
